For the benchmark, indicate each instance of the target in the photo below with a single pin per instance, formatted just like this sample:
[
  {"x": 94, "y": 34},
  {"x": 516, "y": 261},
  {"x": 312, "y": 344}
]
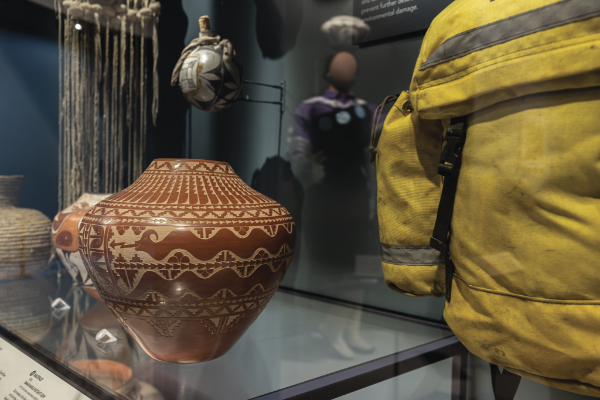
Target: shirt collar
[{"x": 334, "y": 94}]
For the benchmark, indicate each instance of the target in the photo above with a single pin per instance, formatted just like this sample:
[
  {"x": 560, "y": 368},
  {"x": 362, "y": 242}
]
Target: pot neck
[{"x": 10, "y": 190}]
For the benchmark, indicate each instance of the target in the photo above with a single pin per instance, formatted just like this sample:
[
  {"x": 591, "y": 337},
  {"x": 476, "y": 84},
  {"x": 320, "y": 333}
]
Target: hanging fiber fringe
[{"x": 103, "y": 78}]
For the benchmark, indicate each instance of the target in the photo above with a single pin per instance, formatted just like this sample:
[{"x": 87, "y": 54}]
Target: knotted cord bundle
[{"x": 104, "y": 48}]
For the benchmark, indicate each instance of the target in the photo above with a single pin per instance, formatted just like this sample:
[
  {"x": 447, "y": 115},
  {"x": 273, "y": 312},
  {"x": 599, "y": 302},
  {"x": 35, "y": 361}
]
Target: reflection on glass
[
  {"x": 25, "y": 307},
  {"x": 81, "y": 343},
  {"x": 117, "y": 376},
  {"x": 95, "y": 344},
  {"x": 329, "y": 156},
  {"x": 107, "y": 372},
  {"x": 342, "y": 332},
  {"x": 226, "y": 377},
  {"x": 328, "y": 149},
  {"x": 290, "y": 343}
]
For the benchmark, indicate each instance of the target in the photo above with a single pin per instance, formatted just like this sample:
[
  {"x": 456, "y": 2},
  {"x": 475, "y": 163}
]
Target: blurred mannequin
[
  {"x": 342, "y": 72},
  {"x": 307, "y": 156},
  {"x": 328, "y": 152}
]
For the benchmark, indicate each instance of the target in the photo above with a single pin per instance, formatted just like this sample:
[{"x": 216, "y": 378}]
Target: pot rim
[{"x": 190, "y": 160}]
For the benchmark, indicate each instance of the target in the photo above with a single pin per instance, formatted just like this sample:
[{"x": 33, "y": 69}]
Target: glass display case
[
  {"x": 299, "y": 199},
  {"x": 288, "y": 353}
]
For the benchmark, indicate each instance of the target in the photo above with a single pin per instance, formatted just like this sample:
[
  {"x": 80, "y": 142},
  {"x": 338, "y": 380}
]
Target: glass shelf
[{"x": 298, "y": 346}]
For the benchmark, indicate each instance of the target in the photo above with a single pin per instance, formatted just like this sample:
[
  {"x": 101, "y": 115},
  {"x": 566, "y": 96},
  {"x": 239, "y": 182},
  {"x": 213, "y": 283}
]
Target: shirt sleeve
[{"x": 300, "y": 143}]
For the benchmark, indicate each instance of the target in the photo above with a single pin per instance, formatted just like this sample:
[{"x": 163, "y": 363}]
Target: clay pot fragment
[{"x": 64, "y": 235}]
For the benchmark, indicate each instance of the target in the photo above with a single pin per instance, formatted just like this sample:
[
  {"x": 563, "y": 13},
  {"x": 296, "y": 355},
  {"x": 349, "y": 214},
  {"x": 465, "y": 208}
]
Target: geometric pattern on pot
[
  {"x": 218, "y": 313},
  {"x": 187, "y": 252}
]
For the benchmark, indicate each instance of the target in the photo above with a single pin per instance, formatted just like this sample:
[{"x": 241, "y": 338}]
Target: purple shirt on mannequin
[{"x": 329, "y": 101}]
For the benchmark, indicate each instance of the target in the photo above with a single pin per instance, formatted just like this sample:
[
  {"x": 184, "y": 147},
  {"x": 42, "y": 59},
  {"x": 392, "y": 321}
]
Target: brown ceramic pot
[{"x": 187, "y": 257}]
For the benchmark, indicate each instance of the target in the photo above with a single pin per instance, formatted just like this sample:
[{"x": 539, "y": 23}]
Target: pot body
[
  {"x": 209, "y": 80},
  {"x": 187, "y": 257},
  {"x": 64, "y": 236}
]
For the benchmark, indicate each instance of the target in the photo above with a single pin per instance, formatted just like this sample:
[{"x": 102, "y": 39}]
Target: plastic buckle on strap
[
  {"x": 455, "y": 140},
  {"x": 445, "y": 169}
]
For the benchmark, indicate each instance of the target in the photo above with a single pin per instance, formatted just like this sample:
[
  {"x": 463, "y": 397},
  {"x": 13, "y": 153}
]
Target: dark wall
[
  {"x": 167, "y": 140},
  {"x": 29, "y": 101},
  {"x": 201, "y": 135},
  {"x": 247, "y": 133}
]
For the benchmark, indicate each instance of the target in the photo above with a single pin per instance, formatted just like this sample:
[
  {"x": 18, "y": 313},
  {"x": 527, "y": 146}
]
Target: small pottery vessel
[
  {"x": 208, "y": 73},
  {"x": 187, "y": 257},
  {"x": 107, "y": 372},
  {"x": 64, "y": 236},
  {"x": 25, "y": 241}
]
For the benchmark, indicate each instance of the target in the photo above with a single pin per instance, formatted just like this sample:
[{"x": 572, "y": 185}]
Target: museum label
[
  {"x": 388, "y": 18},
  {"x": 22, "y": 378}
]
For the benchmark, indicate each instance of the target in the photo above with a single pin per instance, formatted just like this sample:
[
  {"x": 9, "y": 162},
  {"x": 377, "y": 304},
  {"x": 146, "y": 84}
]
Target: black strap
[
  {"x": 504, "y": 384},
  {"x": 449, "y": 168}
]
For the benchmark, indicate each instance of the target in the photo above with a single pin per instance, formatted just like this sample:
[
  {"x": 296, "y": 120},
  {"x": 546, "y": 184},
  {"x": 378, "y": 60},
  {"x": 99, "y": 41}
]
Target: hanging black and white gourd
[
  {"x": 207, "y": 72},
  {"x": 345, "y": 30},
  {"x": 108, "y": 53}
]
